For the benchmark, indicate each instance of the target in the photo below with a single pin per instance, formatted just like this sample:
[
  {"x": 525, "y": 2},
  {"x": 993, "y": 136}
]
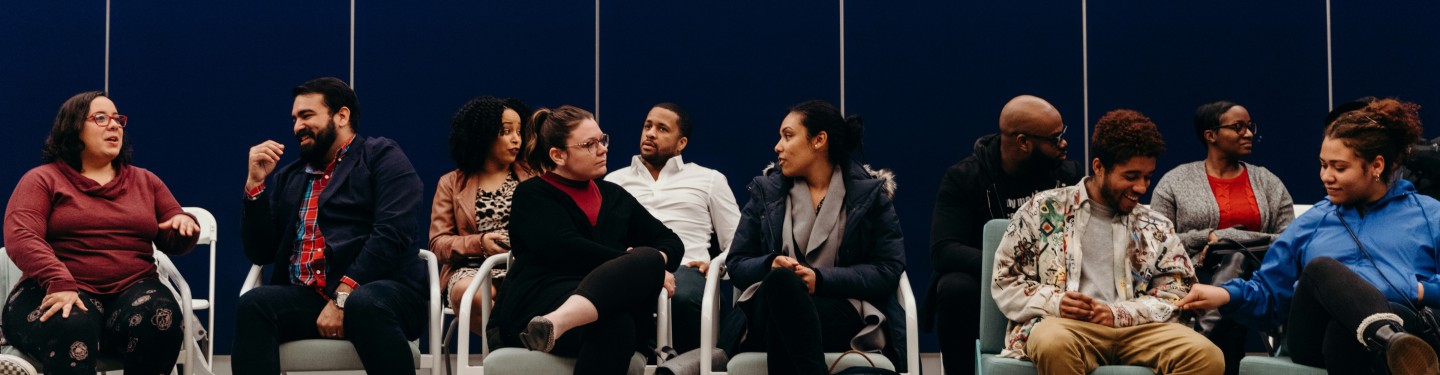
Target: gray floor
[{"x": 930, "y": 364}]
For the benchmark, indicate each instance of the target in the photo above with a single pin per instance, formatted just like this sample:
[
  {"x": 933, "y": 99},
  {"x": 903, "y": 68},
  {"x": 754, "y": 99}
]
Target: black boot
[{"x": 1400, "y": 352}]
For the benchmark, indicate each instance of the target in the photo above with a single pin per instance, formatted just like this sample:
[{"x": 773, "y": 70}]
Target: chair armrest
[
  {"x": 662, "y": 324},
  {"x": 252, "y": 279},
  {"x": 172, "y": 278},
  {"x": 912, "y": 332},
  {"x": 480, "y": 284},
  {"x": 432, "y": 273},
  {"x": 709, "y": 313}
]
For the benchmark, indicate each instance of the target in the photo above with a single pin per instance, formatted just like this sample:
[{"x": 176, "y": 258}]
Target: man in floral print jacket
[{"x": 1088, "y": 277}]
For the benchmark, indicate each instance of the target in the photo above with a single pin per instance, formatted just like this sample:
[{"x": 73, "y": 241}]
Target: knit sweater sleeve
[{"x": 26, "y": 222}]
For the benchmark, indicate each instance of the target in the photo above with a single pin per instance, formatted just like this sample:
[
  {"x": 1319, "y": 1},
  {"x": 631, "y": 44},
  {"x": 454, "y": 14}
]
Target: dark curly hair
[
  {"x": 1385, "y": 127},
  {"x": 845, "y": 133},
  {"x": 64, "y": 142},
  {"x": 477, "y": 125},
  {"x": 1123, "y": 134},
  {"x": 551, "y": 127},
  {"x": 1207, "y": 117}
]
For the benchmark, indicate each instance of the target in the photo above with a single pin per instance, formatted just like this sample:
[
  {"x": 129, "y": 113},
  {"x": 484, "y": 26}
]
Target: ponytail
[{"x": 549, "y": 128}]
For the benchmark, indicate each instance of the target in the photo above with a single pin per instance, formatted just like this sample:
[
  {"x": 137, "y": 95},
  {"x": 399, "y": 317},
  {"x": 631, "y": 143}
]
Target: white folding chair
[
  {"x": 191, "y": 361},
  {"x": 754, "y": 362},
  {"x": 340, "y": 355},
  {"x": 519, "y": 360},
  {"x": 209, "y": 231}
]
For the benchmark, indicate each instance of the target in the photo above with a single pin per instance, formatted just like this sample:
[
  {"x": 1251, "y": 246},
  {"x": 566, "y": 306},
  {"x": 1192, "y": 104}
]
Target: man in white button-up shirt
[{"x": 694, "y": 201}]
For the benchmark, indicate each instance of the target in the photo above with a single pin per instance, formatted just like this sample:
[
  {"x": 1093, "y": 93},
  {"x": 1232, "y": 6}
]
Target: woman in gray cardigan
[
  {"x": 1223, "y": 197},
  {"x": 1188, "y": 194}
]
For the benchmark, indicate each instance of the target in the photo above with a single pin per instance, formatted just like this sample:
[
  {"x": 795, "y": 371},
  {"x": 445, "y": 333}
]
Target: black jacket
[
  {"x": 872, "y": 250},
  {"x": 368, "y": 213},
  {"x": 555, "y": 247},
  {"x": 973, "y": 192}
]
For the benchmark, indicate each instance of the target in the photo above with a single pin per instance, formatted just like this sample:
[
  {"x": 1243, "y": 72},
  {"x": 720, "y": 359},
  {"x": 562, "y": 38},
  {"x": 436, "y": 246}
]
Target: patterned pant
[{"x": 141, "y": 325}]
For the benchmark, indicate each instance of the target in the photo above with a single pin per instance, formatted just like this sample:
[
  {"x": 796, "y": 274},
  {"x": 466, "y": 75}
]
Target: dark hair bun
[{"x": 1401, "y": 119}]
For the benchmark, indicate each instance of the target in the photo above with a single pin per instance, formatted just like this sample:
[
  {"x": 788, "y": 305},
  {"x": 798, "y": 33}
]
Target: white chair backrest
[
  {"x": 1300, "y": 209},
  {"x": 208, "y": 227}
]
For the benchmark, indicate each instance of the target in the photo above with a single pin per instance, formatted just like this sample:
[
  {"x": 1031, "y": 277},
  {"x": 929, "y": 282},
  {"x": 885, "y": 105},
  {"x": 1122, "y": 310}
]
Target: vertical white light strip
[
  {"x": 1329, "y": 61},
  {"x": 352, "y": 44},
  {"x": 597, "y": 60},
  {"x": 842, "y": 57},
  {"x": 1085, "y": 72},
  {"x": 107, "y": 45}
]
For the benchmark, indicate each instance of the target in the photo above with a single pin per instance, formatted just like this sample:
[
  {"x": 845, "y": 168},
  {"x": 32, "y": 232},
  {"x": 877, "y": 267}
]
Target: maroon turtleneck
[{"x": 584, "y": 193}]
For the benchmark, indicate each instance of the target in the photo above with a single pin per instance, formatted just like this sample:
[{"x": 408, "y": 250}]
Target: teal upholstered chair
[{"x": 992, "y": 322}]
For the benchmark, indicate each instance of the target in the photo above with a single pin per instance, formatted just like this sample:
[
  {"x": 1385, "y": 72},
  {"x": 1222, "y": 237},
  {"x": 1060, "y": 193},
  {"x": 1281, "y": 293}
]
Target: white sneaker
[{"x": 12, "y": 365}]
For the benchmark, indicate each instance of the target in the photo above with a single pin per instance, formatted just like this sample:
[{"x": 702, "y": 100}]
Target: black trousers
[
  {"x": 957, "y": 314},
  {"x": 381, "y": 318},
  {"x": 142, "y": 324},
  {"x": 1329, "y": 304},
  {"x": 623, "y": 291},
  {"x": 785, "y": 322}
]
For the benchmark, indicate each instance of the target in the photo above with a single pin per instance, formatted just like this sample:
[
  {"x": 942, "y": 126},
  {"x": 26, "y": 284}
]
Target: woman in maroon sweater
[{"x": 80, "y": 228}]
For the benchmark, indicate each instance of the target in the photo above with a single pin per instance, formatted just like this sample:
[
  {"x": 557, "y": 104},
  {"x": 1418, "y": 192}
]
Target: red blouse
[{"x": 1237, "y": 201}]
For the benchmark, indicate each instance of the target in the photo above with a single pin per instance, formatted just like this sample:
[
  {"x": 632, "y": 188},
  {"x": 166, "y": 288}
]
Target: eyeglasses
[
  {"x": 103, "y": 120},
  {"x": 603, "y": 141},
  {"x": 1055, "y": 139},
  {"x": 1240, "y": 127}
]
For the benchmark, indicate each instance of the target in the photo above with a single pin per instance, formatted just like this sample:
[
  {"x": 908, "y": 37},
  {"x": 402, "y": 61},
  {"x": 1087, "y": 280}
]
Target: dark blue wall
[{"x": 205, "y": 81}]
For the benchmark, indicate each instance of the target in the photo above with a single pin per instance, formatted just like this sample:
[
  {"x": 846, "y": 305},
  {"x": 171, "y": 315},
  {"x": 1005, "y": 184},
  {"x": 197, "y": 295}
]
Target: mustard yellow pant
[{"x": 1066, "y": 346}]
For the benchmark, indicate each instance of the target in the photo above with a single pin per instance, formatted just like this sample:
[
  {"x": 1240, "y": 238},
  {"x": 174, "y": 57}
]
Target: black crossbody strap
[{"x": 1409, "y": 303}]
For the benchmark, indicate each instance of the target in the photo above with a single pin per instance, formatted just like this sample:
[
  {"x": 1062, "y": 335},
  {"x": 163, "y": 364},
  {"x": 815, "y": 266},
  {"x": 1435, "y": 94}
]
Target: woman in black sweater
[{"x": 587, "y": 257}]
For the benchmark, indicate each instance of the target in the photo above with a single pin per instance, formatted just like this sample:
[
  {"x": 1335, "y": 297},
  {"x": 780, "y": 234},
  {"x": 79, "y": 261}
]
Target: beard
[
  {"x": 1115, "y": 198},
  {"x": 316, "y": 154},
  {"x": 658, "y": 158},
  {"x": 1039, "y": 163}
]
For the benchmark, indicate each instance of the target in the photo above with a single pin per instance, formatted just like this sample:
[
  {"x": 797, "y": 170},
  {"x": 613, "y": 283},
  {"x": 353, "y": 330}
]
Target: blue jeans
[{"x": 381, "y": 318}]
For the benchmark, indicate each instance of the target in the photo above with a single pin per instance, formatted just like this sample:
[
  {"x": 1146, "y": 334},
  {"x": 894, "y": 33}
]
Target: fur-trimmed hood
[{"x": 885, "y": 175}]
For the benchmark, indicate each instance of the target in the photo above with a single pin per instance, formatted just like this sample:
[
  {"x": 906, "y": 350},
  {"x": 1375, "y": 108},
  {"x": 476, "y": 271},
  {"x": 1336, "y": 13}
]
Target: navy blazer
[{"x": 367, "y": 214}]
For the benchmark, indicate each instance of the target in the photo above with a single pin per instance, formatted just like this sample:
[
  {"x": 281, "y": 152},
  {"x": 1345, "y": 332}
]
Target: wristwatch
[{"x": 340, "y": 298}]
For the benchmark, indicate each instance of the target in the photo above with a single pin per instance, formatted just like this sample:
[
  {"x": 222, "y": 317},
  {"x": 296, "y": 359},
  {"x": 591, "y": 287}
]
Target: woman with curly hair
[
  {"x": 471, "y": 210},
  {"x": 1347, "y": 276},
  {"x": 81, "y": 229}
]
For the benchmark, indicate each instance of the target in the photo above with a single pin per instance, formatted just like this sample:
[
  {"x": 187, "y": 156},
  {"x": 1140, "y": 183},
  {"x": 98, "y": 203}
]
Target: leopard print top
[{"x": 492, "y": 208}]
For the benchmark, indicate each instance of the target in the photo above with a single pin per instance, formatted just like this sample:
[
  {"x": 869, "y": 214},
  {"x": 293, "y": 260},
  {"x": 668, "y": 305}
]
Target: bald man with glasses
[{"x": 1026, "y": 156}]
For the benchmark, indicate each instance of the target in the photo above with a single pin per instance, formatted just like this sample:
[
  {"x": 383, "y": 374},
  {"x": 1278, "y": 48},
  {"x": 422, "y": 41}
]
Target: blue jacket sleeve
[{"x": 1263, "y": 302}]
